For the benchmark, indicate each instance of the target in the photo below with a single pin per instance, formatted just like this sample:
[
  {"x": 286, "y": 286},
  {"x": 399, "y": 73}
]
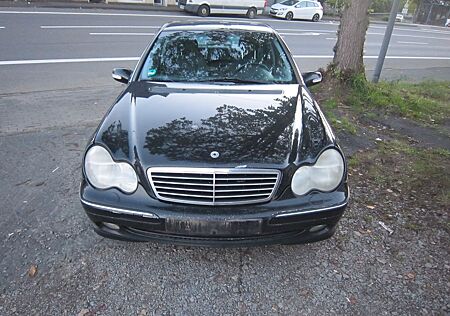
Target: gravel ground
[{"x": 52, "y": 263}]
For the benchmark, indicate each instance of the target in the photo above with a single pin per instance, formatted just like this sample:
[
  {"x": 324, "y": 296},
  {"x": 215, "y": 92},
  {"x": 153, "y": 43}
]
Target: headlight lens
[
  {"x": 104, "y": 173},
  {"x": 324, "y": 175}
]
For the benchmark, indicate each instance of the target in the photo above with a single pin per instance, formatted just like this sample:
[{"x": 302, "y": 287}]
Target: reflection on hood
[{"x": 251, "y": 135}]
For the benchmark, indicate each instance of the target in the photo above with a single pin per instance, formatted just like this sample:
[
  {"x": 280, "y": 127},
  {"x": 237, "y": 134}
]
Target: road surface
[{"x": 45, "y": 49}]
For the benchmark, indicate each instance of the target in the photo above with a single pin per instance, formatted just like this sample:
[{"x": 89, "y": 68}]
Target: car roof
[{"x": 215, "y": 25}]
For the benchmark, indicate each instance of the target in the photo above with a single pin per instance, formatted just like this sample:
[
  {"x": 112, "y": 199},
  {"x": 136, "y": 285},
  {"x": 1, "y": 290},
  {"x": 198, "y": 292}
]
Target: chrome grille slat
[
  {"x": 237, "y": 196},
  {"x": 216, "y": 186},
  {"x": 184, "y": 183},
  {"x": 238, "y": 184},
  {"x": 182, "y": 189}
]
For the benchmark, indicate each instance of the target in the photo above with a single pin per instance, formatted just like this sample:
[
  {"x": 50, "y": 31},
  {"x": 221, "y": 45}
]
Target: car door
[
  {"x": 312, "y": 7},
  {"x": 300, "y": 11}
]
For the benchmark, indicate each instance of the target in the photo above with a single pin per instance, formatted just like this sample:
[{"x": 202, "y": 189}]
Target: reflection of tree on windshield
[
  {"x": 191, "y": 56},
  {"x": 262, "y": 135}
]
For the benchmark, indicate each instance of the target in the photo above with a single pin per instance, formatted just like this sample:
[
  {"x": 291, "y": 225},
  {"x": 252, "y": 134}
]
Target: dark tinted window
[{"x": 214, "y": 55}]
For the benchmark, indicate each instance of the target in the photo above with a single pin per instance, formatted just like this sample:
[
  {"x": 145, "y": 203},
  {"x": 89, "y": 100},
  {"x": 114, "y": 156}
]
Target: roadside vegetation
[{"x": 397, "y": 138}]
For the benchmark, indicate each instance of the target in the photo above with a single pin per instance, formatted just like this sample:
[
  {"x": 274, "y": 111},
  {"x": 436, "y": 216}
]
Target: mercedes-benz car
[{"x": 215, "y": 140}]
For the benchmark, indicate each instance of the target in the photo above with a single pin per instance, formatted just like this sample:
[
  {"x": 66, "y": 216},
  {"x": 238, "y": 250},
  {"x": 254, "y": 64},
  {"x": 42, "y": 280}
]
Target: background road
[
  {"x": 51, "y": 36},
  {"x": 50, "y": 104}
]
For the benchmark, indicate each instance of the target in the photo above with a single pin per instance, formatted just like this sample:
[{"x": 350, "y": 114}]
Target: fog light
[
  {"x": 111, "y": 226},
  {"x": 317, "y": 228}
]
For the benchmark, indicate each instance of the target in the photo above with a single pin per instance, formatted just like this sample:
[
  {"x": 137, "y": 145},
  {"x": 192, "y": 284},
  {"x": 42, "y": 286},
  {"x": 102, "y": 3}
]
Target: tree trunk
[{"x": 349, "y": 49}]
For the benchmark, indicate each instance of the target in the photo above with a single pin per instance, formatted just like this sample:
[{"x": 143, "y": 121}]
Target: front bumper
[
  {"x": 193, "y": 8},
  {"x": 278, "y": 13},
  {"x": 140, "y": 217}
]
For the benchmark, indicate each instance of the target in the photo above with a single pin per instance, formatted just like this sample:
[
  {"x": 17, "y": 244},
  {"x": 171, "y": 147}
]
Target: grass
[{"x": 428, "y": 101}]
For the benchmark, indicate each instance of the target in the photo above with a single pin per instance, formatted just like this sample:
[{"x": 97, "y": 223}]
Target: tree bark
[{"x": 349, "y": 49}]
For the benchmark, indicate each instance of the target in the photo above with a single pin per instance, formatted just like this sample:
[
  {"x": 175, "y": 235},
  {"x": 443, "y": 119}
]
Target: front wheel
[
  {"x": 316, "y": 17},
  {"x": 289, "y": 16},
  {"x": 251, "y": 13},
  {"x": 203, "y": 10}
]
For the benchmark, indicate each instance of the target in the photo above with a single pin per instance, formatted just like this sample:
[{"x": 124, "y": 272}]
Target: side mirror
[
  {"x": 312, "y": 78},
  {"x": 122, "y": 75}
]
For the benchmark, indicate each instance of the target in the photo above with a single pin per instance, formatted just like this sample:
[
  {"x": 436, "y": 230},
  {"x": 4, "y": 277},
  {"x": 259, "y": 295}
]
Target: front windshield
[
  {"x": 230, "y": 56},
  {"x": 289, "y": 2}
]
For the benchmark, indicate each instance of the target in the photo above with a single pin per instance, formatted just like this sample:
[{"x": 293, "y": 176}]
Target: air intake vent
[{"x": 204, "y": 186}]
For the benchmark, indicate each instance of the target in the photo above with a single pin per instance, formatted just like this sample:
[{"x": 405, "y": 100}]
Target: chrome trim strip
[
  {"x": 116, "y": 210},
  {"x": 312, "y": 211},
  {"x": 213, "y": 172}
]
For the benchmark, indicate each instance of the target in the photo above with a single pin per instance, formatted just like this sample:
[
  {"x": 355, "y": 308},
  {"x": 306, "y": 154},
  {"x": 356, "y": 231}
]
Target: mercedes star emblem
[{"x": 214, "y": 154}]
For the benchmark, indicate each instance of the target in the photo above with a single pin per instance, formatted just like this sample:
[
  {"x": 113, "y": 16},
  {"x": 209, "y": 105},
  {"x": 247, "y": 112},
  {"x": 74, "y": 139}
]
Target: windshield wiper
[{"x": 235, "y": 80}]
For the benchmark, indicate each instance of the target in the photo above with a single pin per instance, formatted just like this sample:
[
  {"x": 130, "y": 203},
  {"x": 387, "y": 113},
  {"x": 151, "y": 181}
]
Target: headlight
[
  {"x": 104, "y": 173},
  {"x": 324, "y": 175}
]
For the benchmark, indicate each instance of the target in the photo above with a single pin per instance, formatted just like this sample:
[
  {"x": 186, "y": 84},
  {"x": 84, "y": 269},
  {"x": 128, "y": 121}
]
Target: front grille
[{"x": 205, "y": 186}]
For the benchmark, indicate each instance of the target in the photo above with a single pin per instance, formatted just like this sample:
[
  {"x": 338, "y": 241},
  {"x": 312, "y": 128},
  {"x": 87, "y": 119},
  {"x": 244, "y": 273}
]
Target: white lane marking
[
  {"x": 300, "y": 34},
  {"x": 375, "y": 57},
  {"x": 93, "y": 13},
  {"x": 412, "y": 43},
  {"x": 123, "y": 34},
  {"x": 2, "y": 27},
  {"x": 412, "y": 36},
  {"x": 99, "y": 27},
  {"x": 294, "y": 30},
  {"x": 64, "y": 60},
  {"x": 412, "y": 29},
  {"x": 109, "y": 59}
]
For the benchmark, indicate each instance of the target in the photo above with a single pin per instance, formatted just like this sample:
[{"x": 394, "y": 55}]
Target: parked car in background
[
  {"x": 251, "y": 8},
  {"x": 294, "y": 9},
  {"x": 216, "y": 139},
  {"x": 399, "y": 17},
  {"x": 447, "y": 23}
]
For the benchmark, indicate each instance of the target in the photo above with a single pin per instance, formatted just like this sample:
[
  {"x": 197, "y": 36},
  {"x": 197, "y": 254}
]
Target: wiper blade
[{"x": 235, "y": 80}]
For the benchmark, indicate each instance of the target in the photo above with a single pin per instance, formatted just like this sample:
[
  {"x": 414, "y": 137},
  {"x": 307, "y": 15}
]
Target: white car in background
[
  {"x": 298, "y": 9},
  {"x": 399, "y": 17},
  {"x": 251, "y": 8}
]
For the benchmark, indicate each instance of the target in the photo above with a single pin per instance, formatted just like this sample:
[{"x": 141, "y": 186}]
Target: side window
[
  {"x": 301, "y": 5},
  {"x": 311, "y": 5}
]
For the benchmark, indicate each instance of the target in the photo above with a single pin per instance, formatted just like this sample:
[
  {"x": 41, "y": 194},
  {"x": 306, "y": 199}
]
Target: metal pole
[{"x": 386, "y": 40}]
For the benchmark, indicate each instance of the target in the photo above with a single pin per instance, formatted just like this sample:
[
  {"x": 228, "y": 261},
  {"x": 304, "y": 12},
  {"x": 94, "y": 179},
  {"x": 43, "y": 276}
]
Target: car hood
[
  {"x": 180, "y": 125},
  {"x": 279, "y": 6}
]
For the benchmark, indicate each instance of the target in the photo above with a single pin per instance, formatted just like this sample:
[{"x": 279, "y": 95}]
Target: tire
[
  {"x": 316, "y": 17},
  {"x": 252, "y": 13},
  {"x": 203, "y": 10},
  {"x": 289, "y": 16}
]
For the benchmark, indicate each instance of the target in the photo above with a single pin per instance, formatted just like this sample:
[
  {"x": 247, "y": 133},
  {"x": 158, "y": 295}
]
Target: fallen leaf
[
  {"x": 351, "y": 300},
  {"x": 370, "y": 207},
  {"x": 32, "y": 271},
  {"x": 83, "y": 312},
  {"x": 411, "y": 275}
]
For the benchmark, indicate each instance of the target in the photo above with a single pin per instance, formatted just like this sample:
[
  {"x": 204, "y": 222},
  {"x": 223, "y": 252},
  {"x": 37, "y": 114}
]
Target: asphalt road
[
  {"x": 48, "y": 111},
  {"x": 41, "y": 49}
]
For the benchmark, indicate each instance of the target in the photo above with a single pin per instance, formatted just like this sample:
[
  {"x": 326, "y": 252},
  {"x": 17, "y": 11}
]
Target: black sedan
[{"x": 216, "y": 140}]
